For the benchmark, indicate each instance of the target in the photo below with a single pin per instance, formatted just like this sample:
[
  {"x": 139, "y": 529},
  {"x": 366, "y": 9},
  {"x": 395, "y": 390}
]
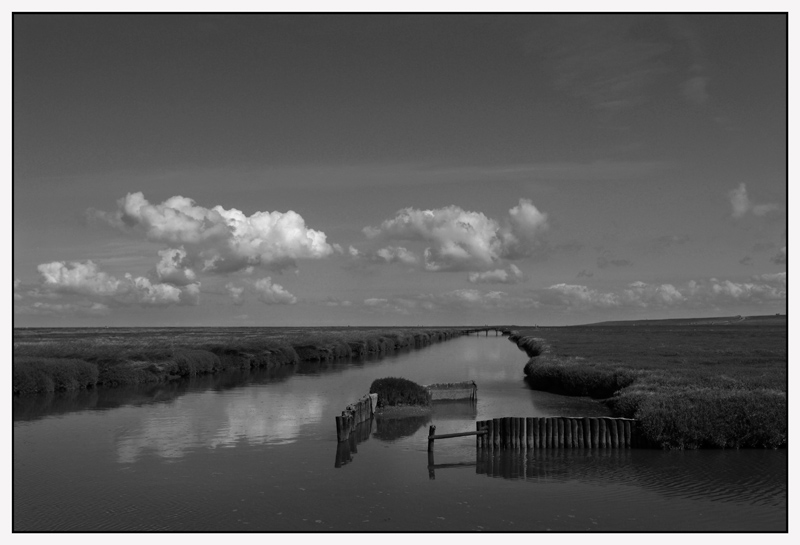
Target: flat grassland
[
  {"x": 56, "y": 359},
  {"x": 690, "y": 383}
]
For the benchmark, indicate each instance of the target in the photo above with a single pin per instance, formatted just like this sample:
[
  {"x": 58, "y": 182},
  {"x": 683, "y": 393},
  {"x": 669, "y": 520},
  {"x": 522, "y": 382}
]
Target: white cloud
[
  {"x": 464, "y": 240},
  {"x": 398, "y": 254},
  {"x": 236, "y": 293},
  {"x": 648, "y": 295},
  {"x": 85, "y": 308},
  {"x": 577, "y": 295},
  {"x": 763, "y": 288},
  {"x": 219, "y": 240},
  {"x": 498, "y": 276},
  {"x": 84, "y": 278},
  {"x": 741, "y": 204},
  {"x": 273, "y": 293},
  {"x": 525, "y": 224},
  {"x": 87, "y": 279},
  {"x": 173, "y": 267}
]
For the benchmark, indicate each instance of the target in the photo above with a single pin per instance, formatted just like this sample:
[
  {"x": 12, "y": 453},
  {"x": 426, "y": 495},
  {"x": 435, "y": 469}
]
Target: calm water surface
[{"x": 257, "y": 451}]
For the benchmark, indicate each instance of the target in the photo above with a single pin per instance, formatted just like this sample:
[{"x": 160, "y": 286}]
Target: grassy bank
[
  {"x": 47, "y": 360},
  {"x": 690, "y": 384}
]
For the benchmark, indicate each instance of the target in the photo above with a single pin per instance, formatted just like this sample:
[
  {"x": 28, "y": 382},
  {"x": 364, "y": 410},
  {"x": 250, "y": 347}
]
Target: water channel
[{"x": 257, "y": 451}]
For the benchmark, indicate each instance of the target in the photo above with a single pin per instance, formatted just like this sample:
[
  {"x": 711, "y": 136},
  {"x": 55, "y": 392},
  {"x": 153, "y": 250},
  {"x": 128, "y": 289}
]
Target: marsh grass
[
  {"x": 40, "y": 375},
  {"x": 395, "y": 391},
  {"x": 145, "y": 355},
  {"x": 689, "y": 386}
]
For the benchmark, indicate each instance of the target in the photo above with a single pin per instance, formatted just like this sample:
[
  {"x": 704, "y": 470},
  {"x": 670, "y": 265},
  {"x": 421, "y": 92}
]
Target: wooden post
[
  {"x": 587, "y": 433},
  {"x": 518, "y": 432},
  {"x": 542, "y": 433},
  {"x": 602, "y": 426},
  {"x": 612, "y": 428},
  {"x": 529, "y": 433},
  {"x": 479, "y": 436},
  {"x": 595, "y": 432},
  {"x": 567, "y": 433},
  {"x": 552, "y": 433},
  {"x": 506, "y": 432},
  {"x": 431, "y": 433},
  {"x": 608, "y": 432},
  {"x": 522, "y": 434},
  {"x": 339, "y": 429},
  {"x": 628, "y": 443},
  {"x": 490, "y": 435},
  {"x": 560, "y": 424},
  {"x": 579, "y": 432},
  {"x": 536, "y": 433},
  {"x": 496, "y": 433}
]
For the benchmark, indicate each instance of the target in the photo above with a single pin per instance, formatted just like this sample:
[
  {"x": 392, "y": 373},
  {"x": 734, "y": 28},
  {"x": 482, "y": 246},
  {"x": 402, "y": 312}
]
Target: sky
[{"x": 399, "y": 169}]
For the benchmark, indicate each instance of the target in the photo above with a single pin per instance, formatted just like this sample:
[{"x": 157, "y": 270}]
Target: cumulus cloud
[
  {"x": 273, "y": 294},
  {"x": 741, "y": 204},
  {"x": 464, "y": 240},
  {"x": 217, "y": 240},
  {"x": 648, "y": 295},
  {"x": 335, "y": 302},
  {"x": 746, "y": 260},
  {"x": 585, "y": 274},
  {"x": 498, "y": 276},
  {"x": 780, "y": 257},
  {"x": 236, "y": 293},
  {"x": 571, "y": 295},
  {"x": 87, "y": 279},
  {"x": 174, "y": 267},
  {"x": 85, "y": 308},
  {"x": 398, "y": 254},
  {"x": 762, "y": 289}
]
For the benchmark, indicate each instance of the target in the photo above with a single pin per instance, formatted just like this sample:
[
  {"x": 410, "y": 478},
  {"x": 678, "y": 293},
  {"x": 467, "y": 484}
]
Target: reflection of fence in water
[
  {"x": 546, "y": 465},
  {"x": 346, "y": 449},
  {"x": 549, "y": 465}
]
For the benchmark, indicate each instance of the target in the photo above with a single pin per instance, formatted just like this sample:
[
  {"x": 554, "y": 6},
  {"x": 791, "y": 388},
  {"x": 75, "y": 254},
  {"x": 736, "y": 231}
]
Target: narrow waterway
[{"x": 257, "y": 451}]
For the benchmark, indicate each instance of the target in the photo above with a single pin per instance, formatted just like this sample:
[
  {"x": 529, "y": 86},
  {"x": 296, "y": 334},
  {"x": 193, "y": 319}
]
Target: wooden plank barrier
[
  {"x": 354, "y": 414},
  {"x": 516, "y": 433}
]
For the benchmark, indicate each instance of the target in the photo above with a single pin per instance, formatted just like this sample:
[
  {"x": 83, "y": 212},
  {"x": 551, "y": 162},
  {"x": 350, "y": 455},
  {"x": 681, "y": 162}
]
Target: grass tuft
[{"x": 394, "y": 391}]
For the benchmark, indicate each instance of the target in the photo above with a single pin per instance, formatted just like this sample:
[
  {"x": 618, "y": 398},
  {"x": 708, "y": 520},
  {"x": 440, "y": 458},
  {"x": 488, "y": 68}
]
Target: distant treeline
[{"x": 58, "y": 360}]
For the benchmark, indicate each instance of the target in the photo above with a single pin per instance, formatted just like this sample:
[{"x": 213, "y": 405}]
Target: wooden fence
[
  {"x": 354, "y": 414},
  {"x": 548, "y": 432}
]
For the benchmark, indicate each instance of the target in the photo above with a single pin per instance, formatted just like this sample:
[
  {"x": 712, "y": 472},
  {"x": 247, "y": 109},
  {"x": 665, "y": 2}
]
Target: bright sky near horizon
[{"x": 301, "y": 170}]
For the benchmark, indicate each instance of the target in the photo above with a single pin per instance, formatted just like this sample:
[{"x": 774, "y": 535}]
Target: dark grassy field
[
  {"x": 58, "y": 359},
  {"x": 718, "y": 382}
]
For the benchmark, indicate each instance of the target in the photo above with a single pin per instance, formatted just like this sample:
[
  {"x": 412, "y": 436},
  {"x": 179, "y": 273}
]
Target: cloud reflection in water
[{"x": 219, "y": 419}]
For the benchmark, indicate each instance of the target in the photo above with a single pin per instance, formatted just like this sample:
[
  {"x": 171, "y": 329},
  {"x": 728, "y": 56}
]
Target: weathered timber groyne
[
  {"x": 361, "y": 411},
  {"x": 556, "y": 432},
  {"x": 453, "y": 391}
]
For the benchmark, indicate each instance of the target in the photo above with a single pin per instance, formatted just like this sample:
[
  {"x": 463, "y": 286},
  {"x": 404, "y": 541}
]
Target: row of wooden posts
[
  {"x": 548, "y": 432},
  {"x": 354, "y": 414},
  {"x": 555, "y": 432}
]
